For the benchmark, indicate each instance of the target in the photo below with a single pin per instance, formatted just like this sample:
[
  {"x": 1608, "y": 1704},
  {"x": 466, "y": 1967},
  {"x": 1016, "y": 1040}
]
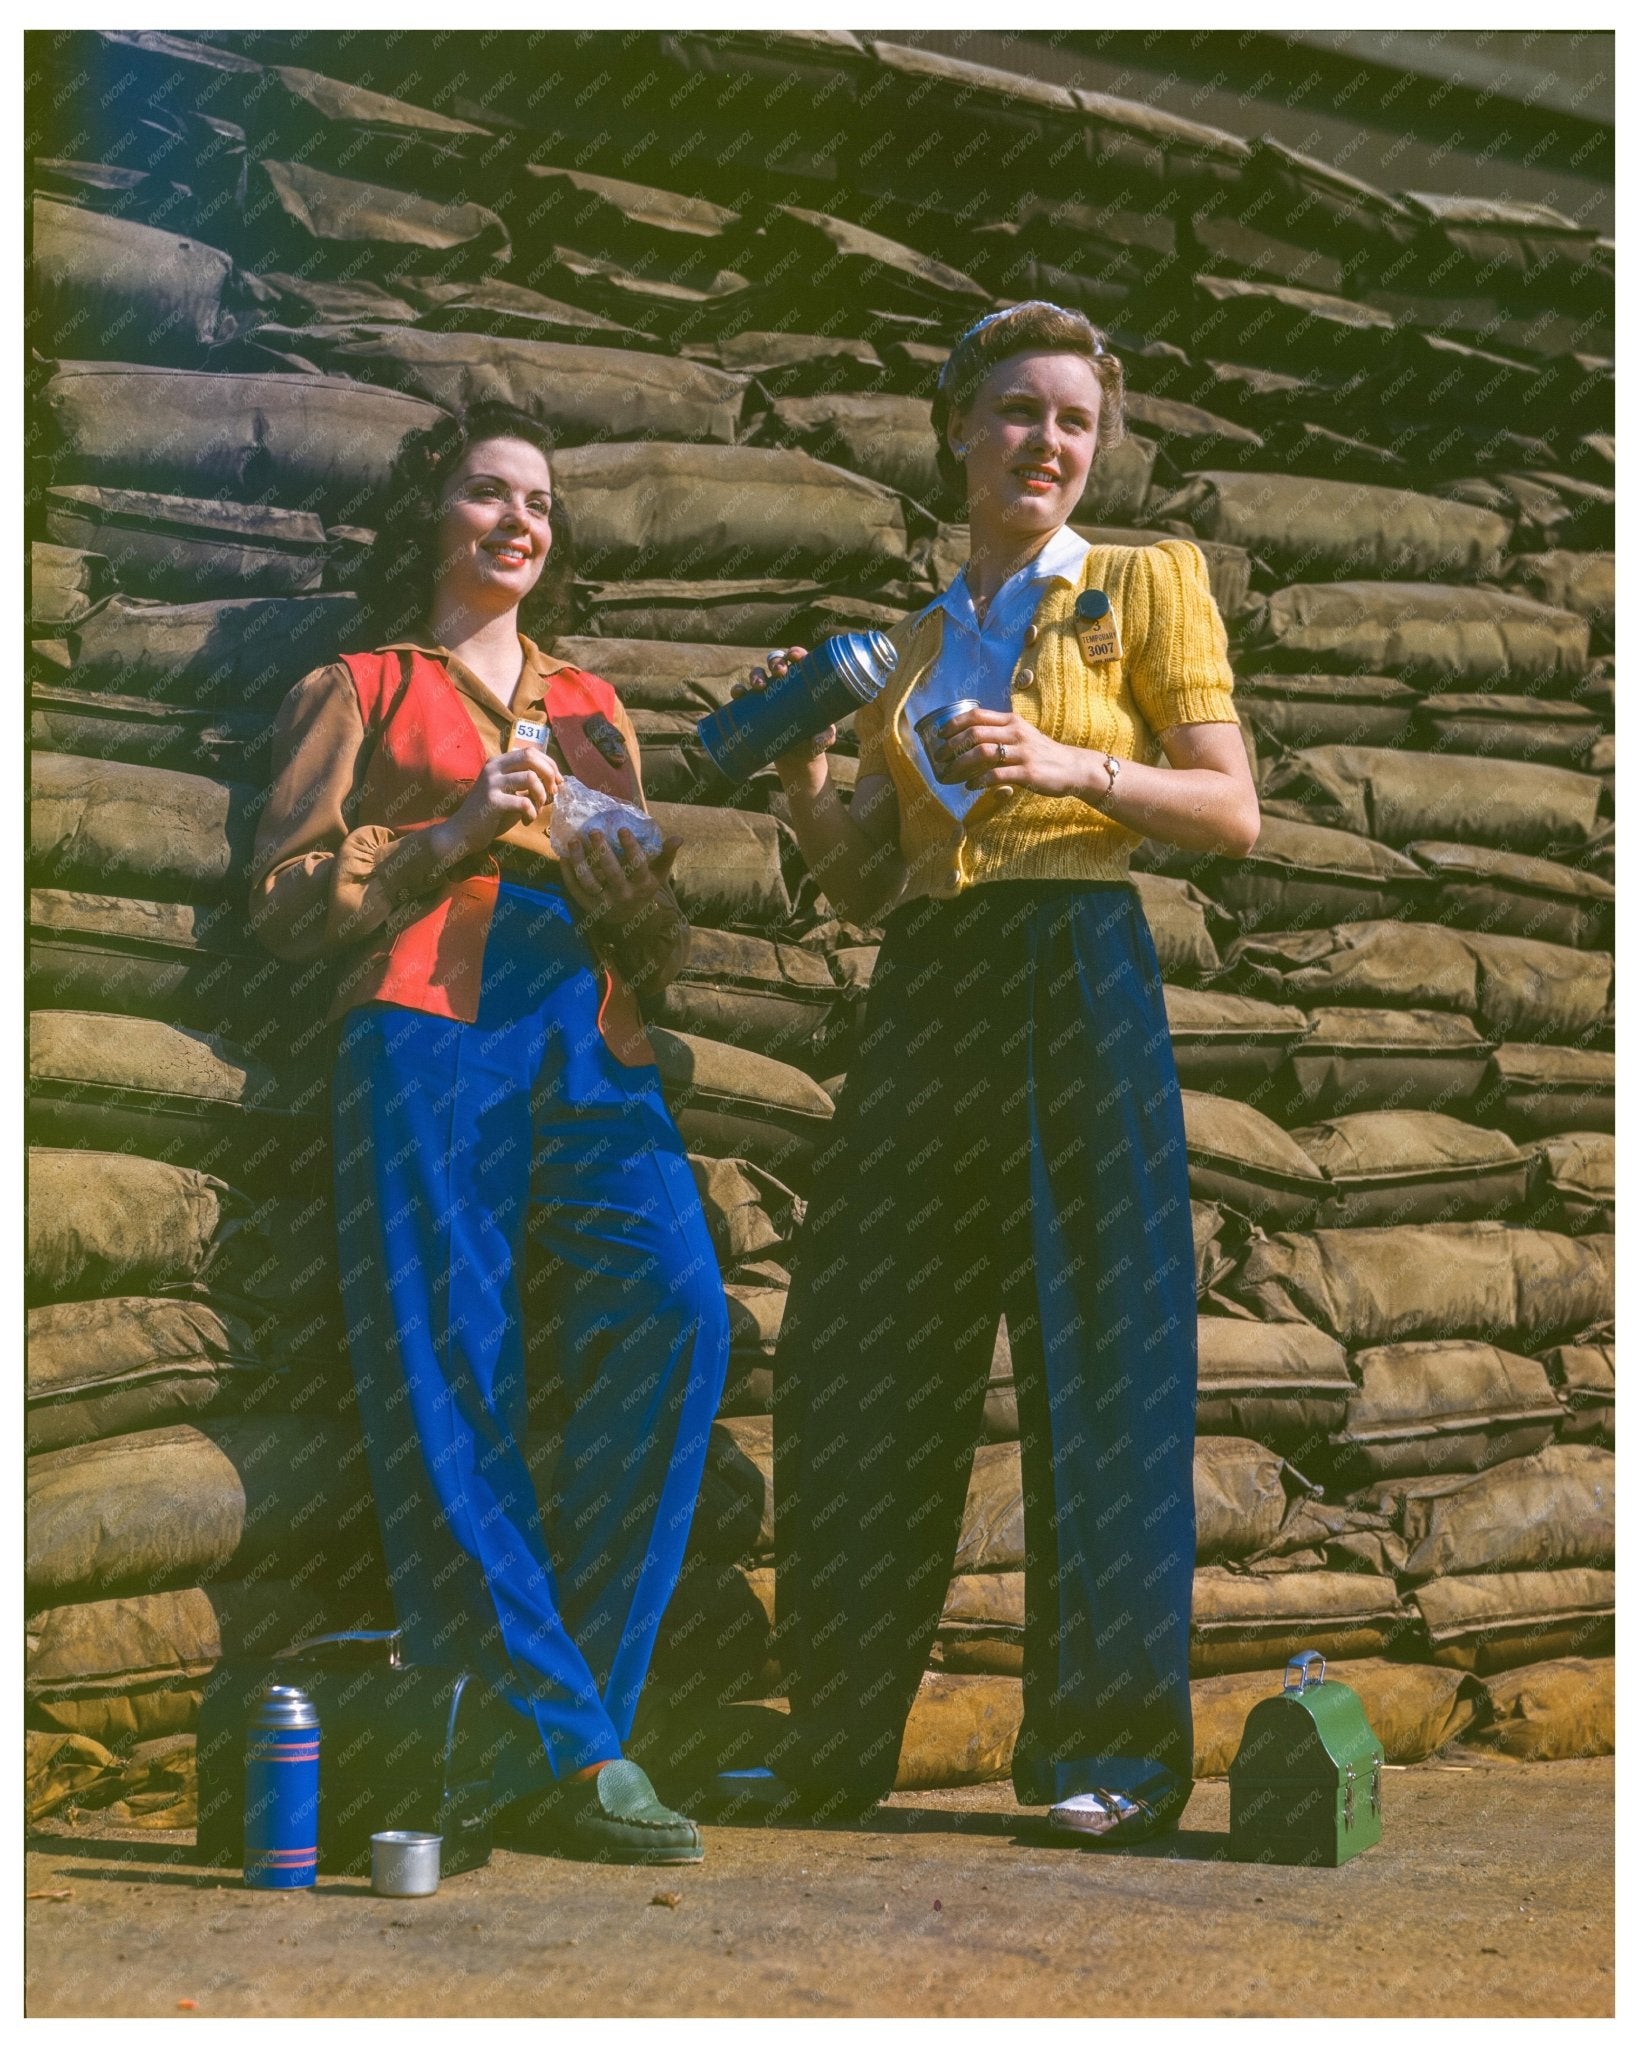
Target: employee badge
[
  {"x": 528, "y": 732},
  {"x": 1097, "y": 634}
]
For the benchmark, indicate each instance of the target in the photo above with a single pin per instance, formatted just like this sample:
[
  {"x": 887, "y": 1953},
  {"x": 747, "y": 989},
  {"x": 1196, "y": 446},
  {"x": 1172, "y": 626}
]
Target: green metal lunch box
[{"x": 1306, "y": 1784}]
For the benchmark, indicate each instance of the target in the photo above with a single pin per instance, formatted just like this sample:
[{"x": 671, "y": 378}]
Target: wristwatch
[{"x": 1112, "y": 768}]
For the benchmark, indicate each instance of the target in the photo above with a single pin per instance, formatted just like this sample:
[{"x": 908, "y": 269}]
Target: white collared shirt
[{"x": 980, "y": 660}]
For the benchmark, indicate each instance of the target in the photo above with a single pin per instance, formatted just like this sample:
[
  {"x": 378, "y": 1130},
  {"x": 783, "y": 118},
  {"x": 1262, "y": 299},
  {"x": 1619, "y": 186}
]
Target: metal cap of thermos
[{"x": 842, "y": 673}]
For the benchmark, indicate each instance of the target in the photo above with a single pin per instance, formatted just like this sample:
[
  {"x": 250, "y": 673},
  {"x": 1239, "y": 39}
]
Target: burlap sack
[
  {"x": 1521, "y": 1288},
  {"x": 64, "y": 585},
  {"x": 732, "y": 1103},
  {"x": 1492, "y": 1621},
  {"x": 1524, "y": 988},
  {"x": 1388, "y": 794},
  {"x": 1285, "y": 326},
  {"x": 1191, "y": 436},
  {"x": 151, "y": 1786},
  {"x": 693, "y": 677},
  {"x": 1536, "y": 1090},
  {"x": 1356, "y": 1060},
  {"x": 1491, "y": 890},
  {"x": 791, "y": 365},
  {"x": 755, "y": 1313},
  {"x": 1585, "y": 584},
  {"x": 109, "y": 826},
  {"x": 166, "y": 1508},
  {"x": 187, "y": 1097},
  {"x": 109, "y": 1223},
  {"x": 734, "y": 610},
  {"x": 91, "y": 276},
  {"x": 1539, "y": 1713},
  {"x": 104, "y": 1368},
  {"x": 1575, "y": 1178},
  {"x": 1438, "y": 636},
  {"x": 299, "y": 301},
  {"x": 1546, "y": 1512},
  {"x": 702, "y": 511},
  {"x": 1284, "y": 1384},
  {"x": 1413, "y": 1166},
  {"x": 748, "y": 1211},
  {"x": 1414, "y": 1710},
  {"x": 735, "y": 867},
  {"x": 961, "y": 1731},
  {"x": 744, "y": 991},
  {"x": 1177, "y": 914},
  {"x": 1299, "y": 876},
  {"x": 317, "y": 444},
  {"x": 873, "y": 434},
  {"x": 132, "y": 1669},
  {"x": 992, "y": 1538},
  {"x": 1320, "y": 711},
  {"x": 1229, "y": 1044},
  {"x": 237, "y": 652},
  {"x": 1240, "y": 1157},
  {"x": 581, "y": 394},
  {"x": 312, "y": 219},
  {"x": 1584, "y": 1379},
  {"x": 1310, "y": 529},
  {"x": 814, "y": 255},
  {"x": 170, "y": 547},
  {"x": 982, "y": 1626},
  {"x": 1240, "y": 1497},
  {"x": 1250, "y": 1621},
  {"x": 1552, "y": 733},
  {"x": 1146, "y": 146},
  {"x": 1442, "y": 1406},
  {"x": 234, "y": 746},
  {"x": 1217, "y": 1244}
]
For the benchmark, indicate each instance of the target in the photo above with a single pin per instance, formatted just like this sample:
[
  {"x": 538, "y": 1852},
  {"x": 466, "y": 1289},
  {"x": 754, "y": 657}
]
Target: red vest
[{"x": 424, "y": 754}]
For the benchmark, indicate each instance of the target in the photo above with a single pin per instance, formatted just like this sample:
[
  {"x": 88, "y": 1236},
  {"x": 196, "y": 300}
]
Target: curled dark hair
[
  {"x": 1034, "y": 324},
  {"x": 395, "y": 586}
]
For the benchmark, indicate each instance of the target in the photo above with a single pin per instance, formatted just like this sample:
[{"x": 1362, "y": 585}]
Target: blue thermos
[
  {"x": 841, "y": 674},
  {"x": 282, "y": 1790}
]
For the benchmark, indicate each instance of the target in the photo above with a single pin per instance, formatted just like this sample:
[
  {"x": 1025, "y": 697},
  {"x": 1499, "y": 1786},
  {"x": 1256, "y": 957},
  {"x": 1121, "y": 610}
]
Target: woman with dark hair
[
  {"x": 1010, "y": 1139},
  {"x": 519, "y": 1226}
]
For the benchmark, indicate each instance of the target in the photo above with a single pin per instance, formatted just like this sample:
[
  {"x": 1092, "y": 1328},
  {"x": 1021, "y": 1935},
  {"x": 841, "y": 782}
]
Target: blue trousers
[
  {"x": 1010, "y": 1139},
  {"x": 523, "y": 1250}
]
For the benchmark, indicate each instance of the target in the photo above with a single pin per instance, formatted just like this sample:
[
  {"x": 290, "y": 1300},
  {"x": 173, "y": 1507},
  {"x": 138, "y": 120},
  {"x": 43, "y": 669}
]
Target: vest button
[
  {"x": 1024, "y": 678},
  {"x": 1032, "y": 633}
]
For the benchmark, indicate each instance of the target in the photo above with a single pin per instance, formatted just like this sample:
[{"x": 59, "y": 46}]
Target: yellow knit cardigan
[{"x": 1173, "y": 670}]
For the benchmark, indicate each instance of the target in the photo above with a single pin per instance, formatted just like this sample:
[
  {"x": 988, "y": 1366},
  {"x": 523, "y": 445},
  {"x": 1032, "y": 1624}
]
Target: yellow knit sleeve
[{"x": 1180, "y": 670}]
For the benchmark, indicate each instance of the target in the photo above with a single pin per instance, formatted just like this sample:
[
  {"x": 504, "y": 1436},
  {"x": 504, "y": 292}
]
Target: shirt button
[{"x": 1024, "y": 678}]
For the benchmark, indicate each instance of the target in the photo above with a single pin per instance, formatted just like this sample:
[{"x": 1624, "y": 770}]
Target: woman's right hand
[
  {"x": 802, "y": 766},
  {"x": 511, "y": 789}
]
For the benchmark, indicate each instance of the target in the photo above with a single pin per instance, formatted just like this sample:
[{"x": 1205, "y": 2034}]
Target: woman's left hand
[
  {"x": 986, "y": 749},
  {"x": 615, "y": 884}
]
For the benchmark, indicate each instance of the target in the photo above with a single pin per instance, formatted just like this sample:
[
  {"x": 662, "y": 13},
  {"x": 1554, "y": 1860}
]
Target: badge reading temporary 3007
[
  {"x": 1096, "y": 631},
  {"x": 528, "y": 732}
]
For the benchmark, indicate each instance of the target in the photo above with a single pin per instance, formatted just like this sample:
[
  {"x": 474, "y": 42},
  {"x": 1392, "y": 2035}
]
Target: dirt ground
[{"x": 1491, "y": 1893}]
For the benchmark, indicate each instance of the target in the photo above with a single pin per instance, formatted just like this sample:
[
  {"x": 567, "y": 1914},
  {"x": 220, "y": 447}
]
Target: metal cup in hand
[
  {"x": 841, "y": 674},
  {"x": 930, "y": 729}
]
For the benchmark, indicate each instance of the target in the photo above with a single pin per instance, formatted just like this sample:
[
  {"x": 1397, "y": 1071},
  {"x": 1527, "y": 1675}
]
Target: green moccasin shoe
[{"x": 615, "y": 1817}]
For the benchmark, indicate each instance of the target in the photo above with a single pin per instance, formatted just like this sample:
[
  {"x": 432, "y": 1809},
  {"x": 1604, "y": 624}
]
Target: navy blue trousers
[
  {"x": 1010, "y": 1138},
  {"x": 524, "y": 1251}
]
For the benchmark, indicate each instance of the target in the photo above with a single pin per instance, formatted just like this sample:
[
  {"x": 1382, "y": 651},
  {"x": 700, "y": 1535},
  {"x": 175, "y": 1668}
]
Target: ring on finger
[{"x": 1001, "y": 753}]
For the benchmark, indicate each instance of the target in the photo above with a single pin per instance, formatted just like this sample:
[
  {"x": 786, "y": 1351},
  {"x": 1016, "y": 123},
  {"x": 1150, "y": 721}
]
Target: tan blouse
[{"x": 322, "y": 880}]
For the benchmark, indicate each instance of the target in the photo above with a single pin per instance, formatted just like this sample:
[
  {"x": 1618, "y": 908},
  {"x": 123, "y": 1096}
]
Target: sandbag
[
  {"x": 1118, "y": 484},
  {"x": 1487, "y": 1281},
  {"x": 318, "y": 444},
  {"x": 734, "y": 864},
  {"x": 1437, "y": 636},
  {"x": 92, "y": 276},
  {"x": 132, "y": 1669},
  {"x": 1356, "y": 1060},
  {"x": 874, "y": 434},
  {"x": 1584, "y": 584},
  {"x": 1177, "y": 914},
  {"x": 191, "y": 1098},
  {"x": 774, "y": 999},
  {"x": 1414, "y": 1710},
  {"x": 1001, "y": 1392},
  {"x": 1228, "y": 1044},
  {"x": 795, "y": 364},
  {"x": 1395, "y": 796},
  {"x": 1490, "y": 1621},
  {"x": 1283, "y": 1384},
  {"x": 1539, "y": 1713},
  {"x": 1249, "y": 1621},
  {"x": 1213, "y": 1233},
  {"x": 1442, "y": 1406},
  {"x": 1537, "y": 1090},
  {"x": 1552, "y": 732},
  {"x": 1329, "y": 710},
  {"x": 581, "y": 394},
  {"x": 105, "y": 1223},
  {"x": 241, "y": 652},
  {"x": 1287, "y": 327},
  {"x": 150, "y": 832},
  {"x": 169, "y": 547},
  {"x": 313, "y": 219},
  {"x": 235, "y": 746},
  {"x": 1583, "y": 1377},
  {"x": 1545, "y": 1512},
  {"x": 1413, "y": 1166},
  {"x": 64, "y": 585},
  {"x": 982, "y": 1625},
  {"x": 845, "y": 264},
  {"x": 1510, "y": 987},
  {"x": 169, "y": 1508},
  {"x": 731, "y": 1103},
  {"x": 748, "y": 1211},
  {"x": 992, "y": 1538},
  {"x": 1320, "y": 531},
  {"x": 659, "y": 509},
  {"x": 104, "y": 1368},
  {"x": 1239, "y": 1156},
  {"x": 1576, "y": 1179},
  {"x": 732, "y": 610},
  {"x": 154, "y": 1785},
  {"x": 961, "y": 1731},
  {"x": 1240, "y": 1497},
  {"x": 1492, "y": 890},
  {"x": 1300, "y": 876},
  {"x": 693, "y": 677}
]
